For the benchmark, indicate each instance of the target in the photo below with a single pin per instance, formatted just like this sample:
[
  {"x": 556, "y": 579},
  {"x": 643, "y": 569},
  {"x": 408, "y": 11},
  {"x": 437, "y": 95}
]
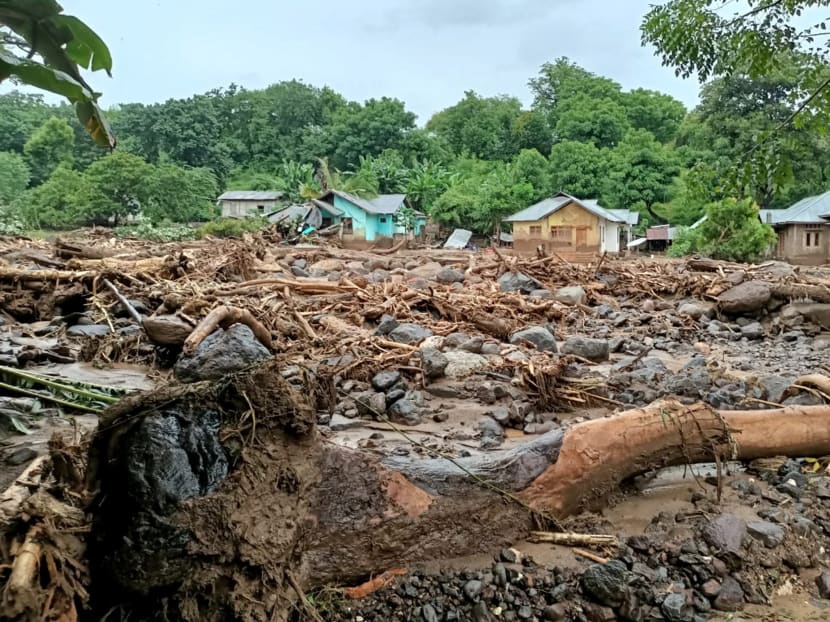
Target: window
[
  {"x": 347, "y": 226},
  {"x": 535, "y": 231},
  {"x": 812, "y": 239},
  {"x": 382, "y": 219},
  {"x": 561, "y": 236},
  {"x": 260, "y": 209}
]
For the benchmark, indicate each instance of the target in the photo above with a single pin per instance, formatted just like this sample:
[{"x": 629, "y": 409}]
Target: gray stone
[
  {"x": 572, "y": 295},
  {"x": 774, "y": 387},
  {"x": 404, "y": 411},
  {"x": 222, "y": 352},
  {"x": 526, "y": 613},
  {"x": 409, "y": 333},
  {"x": 19, "y": 456},
  {"x": 492, "y": 434},
  {"x": 541, "y": 294},
  {"x": 747, "y": 297},
  {"x": 472, "y": 589},
  {"x": 454, "y": 340},
  {"x": 449, "y": 275},
  {"x": 393, "y": 395},
  {"x": 754, "y": 330},
  {"x": 473, "y": 345},
  {"x": 539, "y": 336},
  {"x": 596, "y": 350},
  {"x": 675, "y": 609},
  {"x": 299, "y": 272},
  {"x": 770, "y": 534},
  {"x": 340, "y": 423},
  {"x": 731, "y": 595},
  {"x": 88, "y": 330},
  {"x": 386, "y": 325},
  {"x": 491, "y": 349},
  {"x": 518, "y": 282},
  {"x": 433, "y": 362},
  {"x": 462, "y": 364},
  {"x": 696, "y": 310},
  {"x": 823, "y": 584},
  {"x": 385, "y": 380},
  {"x": 428, "y": 613},
  {"x": 501, "y": 415},
  {"x": 606, "y": 583},
  {"x": 726, "y": 533}
]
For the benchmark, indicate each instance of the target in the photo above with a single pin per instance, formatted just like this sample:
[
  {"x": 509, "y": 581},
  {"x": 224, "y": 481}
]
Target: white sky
[{"x": 425, "y": 52}]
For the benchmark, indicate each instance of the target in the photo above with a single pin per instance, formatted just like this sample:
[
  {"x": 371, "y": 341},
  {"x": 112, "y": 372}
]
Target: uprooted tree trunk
[{"x": 220, "y": 500}]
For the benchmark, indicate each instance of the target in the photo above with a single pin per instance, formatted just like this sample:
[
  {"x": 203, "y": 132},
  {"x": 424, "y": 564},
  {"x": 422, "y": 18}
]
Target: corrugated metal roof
[
  {"x": 382, "y": 204},
  {"x": 547, "y": 207},
  {"x": 328, "y": 207},
  {"x": 630, "y": 217},
  {"x": 251, "y": 195},
  {"x": 810, "y": 210},
  {"x": 458, "y": 239}
]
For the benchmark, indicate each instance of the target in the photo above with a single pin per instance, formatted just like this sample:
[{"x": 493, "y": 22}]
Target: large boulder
[
  {"x": 572, "y": 295},
  {"x": 539, "y": 336},
  {"x": 596, "y": 350},
  {"x": 222, "y": 352},
  {"x": 518, "y": 282},
  {"x": 745, "y": 298}
]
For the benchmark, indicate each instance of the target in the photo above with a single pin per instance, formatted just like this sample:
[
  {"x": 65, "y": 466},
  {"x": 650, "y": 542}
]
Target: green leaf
[
  {"x": 17, "y": 425},
  {"x": 85, "y": 48},
  {"x": 43, "y": 77}
]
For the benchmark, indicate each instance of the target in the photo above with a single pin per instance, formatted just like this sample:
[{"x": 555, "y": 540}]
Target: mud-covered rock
[
  {"x": 571, "y": 295},
  {"x": 409, "y": 333},
  {"x": 223, "y": 352},
  {"x": 434, "y": 362},
  {"x": 606, "y": 583},
  {"x": 539, "y": 336},
  {"x": 518, "y": 282},
  {"x": 823, "y": 584},
  {"x": 747, "y": 297},
  {"x": 730, "y": 596},
  {"x": 449, "y": 275},
  {"x": 596, "y": 350},
  {"x": 726, "y": 533},
  {"x": 404, "y": 411}
]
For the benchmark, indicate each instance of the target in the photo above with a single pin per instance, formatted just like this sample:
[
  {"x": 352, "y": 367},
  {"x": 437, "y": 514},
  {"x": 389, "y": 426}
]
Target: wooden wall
[{"x": 524, "y": 241}]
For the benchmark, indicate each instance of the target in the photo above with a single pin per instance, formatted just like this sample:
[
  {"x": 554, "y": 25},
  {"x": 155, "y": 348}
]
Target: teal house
[{"x": 366, "y": 220}]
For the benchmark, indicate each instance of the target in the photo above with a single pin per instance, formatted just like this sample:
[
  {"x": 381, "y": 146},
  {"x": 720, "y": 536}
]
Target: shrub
[
  {"x": 157, "y": 233},
  {"x": 231, "y": 227}
]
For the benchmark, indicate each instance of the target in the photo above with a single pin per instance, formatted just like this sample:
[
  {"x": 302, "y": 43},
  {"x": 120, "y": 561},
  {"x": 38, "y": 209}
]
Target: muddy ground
[{"x": 430, "y": 351}]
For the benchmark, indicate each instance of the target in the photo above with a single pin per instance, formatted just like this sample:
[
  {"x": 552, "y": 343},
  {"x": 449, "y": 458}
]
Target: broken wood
[
  {"x": 124, "y": 302},
  {"x": 573, "y": 539},
  {"x": 224, "y": 317},
  {"x": 20, "y": 489},
  {"x": 389, "y": 251}
]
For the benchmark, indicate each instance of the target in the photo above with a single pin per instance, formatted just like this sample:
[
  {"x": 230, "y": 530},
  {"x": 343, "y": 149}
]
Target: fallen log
[
  {"x": 790, "y": 291},
  {"x": 225, "y": 316},
  {"x": 248, "y": 493}
]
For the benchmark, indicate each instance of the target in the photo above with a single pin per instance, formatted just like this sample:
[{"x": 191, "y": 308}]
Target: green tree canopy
[
  {"x": 179, "y": 194},
  {"x": 114, "y": 187},
  {"x": 580, "y": 169},
  {"x": 655, "y": 112},
  {"x": 14, "y": 177},
  {"x": 602, "y": 122},
  {"x": 53, "y": 204},
  {"x": 51, "y": 145}
]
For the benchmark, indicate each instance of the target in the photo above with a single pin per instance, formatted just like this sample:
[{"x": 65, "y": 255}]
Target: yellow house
[{"x": 571, "y": 227}]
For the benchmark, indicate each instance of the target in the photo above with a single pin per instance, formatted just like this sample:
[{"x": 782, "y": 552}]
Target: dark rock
[
  {"x": 585, "y": 347},
  {"x": 449, "y": 275},
  {"x": 386, "y": 380},
  {"x": 711, "y": 588},
  {"x": 745, "y": 298},
  {"x": 88, "y": 330},
  {"x": 555, "y": 613},
  {"x": 472, "y": 589},
  {"x": 393, "y": 395},
  {"x": 675, "y": 609},
  {"x": 730, "y": 597},
  {"x": 19, "y": 456},
  {"x": 409, "y": 333},
  {"x": 440, "y": 417},
  {"x": 753, "y": 331},
  {"x": 770, "y": 534},
  {"x": 370, "y": 404},
  {"x": 606, "y": 583},
  {"x": 726, "y": 533},
  {"x": 386, "y": 325},
  {"x": 572, "y": 295},
  {"x": 518, "y": 282},
  {"x": 526, "y": 613},
  {"x": 434, "y": 362},
  {"x": 222, "y": 352},
  {"x": 300, "y": 272},
  {"x": 598, "y": 613},
  {"x": 823, "y": 584},
  {"x": 539, "y": 336},
  {"x": 510, "y": 556},
  {"x": 404, "y": 411},
  {"x": 480, "y": 612}
]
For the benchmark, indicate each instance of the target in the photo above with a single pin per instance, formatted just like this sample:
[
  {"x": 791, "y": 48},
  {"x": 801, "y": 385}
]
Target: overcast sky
[{"x": 426, "y": 52}]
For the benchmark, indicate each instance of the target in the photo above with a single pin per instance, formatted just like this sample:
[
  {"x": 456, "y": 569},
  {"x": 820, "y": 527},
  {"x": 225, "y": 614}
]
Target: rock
[
  {"x": 541, "y": 294},
  {"x": 747, "y": 297},
  {"x": 539, "y": 336},
  {"x": 386, "y": 325},
  {"x": 711, "y": 588},
  {"x": 393, "y": 395},
  {"x": 726, "y": 533},
  {"x": 731, "y": 595},
  {"x": 774, "y": 387},
  {"x": 526, "y": 613},
  {"x": 492, "y": 434},
  {"x": 428, "y": 614},
  {"x": 89, "y": 330},
  {"x": 340, "y": 423},
  {"x": 473, "y": 344},
  {"x": 405, "y": 411},
  {"x": 596, "y": 350},
  {"x": 598, "y": 613},
  {"x": 428, "y": 271},
  {"x": 555, "y": 613},
  {"x": 606, "y": 583},
  {"x": 823, "y": 584},
  {"x": 491, "y": 349},
  {"x": 222, "y": 352},
  {"x": 501, "y": 415},
  {"x": 454, "y": 340},
  {"x": 386, "y": 380},
  {"x": 462, "y": 364},
  {"x": 300, "y": 272},
  {"x": 472, "y": 589},
  {"x": 510, "y": 556},
  {"x": 770, "y": 534},
  {"x": 370, "y": 404},
  {"x": 675, "y": 609},
  {"x": 754, "y": 330},
  {"x": 409, "y": 333},
  {"x": 19, "y": 456},
  {"x": 449, "y": 275},
  {"x": 167, "y": 330},
  {"x": 518, "y": 282},
  {"x": 434, "y": 362},
  {"x": 326, "y": 265},
  {"x": 572, "y": 295}
]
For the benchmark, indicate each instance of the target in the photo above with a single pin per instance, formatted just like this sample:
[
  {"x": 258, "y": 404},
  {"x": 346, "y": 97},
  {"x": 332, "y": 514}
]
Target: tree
[
  {"x": 114, "y": 187},
  {"x": 54, "y": 203},
  {"x": 732, "y": 231},
  {"x": 484, "y": 127},
  {"x": 20, "y": 115},
  {"x": 51, "y": 145},
  {"x": 54, "y": 47},
  {"x": 531, "y": 130},
  {"x": 658, "y": 113},
  {"x": 426, "y": 181},
  {"x": 14, "y": 177},
  {"x": 580, "y": 169},
  {"x": 602, "y": 122},
  {"x": 179, "y": 194},
  {"x": 531, "y": 167}
]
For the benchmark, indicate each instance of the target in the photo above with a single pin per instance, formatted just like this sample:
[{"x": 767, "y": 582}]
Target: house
[
  {"x": 574, "y": 228},
  {"x": 249, "y": 203},
  {"x": 660, "y": 237},
  {"x": 367, "y": 220},
  {"x": 803, "y": 230}
]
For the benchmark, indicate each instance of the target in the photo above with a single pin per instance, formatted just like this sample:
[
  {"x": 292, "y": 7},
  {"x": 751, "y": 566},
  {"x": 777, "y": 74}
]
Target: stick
[
  {"x": 303, "y": 599},
  {"x": 126, "y": 303},
  {"x": 591, "y": 556},
  {"x": 574, "y": 539}
]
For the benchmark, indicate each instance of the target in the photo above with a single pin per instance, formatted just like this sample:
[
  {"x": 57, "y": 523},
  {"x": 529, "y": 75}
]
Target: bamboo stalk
[{"x": 574, "y": 539}]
